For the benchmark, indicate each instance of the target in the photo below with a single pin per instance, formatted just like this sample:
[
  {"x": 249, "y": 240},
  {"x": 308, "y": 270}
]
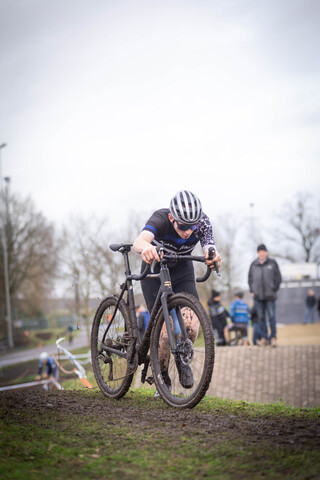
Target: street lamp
[{"x": 5, "y": 258}]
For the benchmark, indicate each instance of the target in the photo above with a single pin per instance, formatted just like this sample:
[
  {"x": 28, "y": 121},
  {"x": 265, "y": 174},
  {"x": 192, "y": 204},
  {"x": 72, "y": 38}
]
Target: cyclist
[
  {"x": 178, "y": 228},
  {"x": 51, "y": 368}
]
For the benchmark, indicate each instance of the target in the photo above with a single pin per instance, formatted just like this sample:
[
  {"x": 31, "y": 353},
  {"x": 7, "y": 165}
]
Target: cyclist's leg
[
  {"x": 192, "y": 326},
  {"x": 150, "y": 288},
  {"x": 183, "y": 280},
  {"x": 190, "y": 367},
  {"x": 164, "y": 348}
]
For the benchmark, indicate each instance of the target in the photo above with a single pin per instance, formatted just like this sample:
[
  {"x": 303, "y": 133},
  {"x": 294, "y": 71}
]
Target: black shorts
[
  {"x": 182, "y": 280},
  {"x": 242, "y": 327}
]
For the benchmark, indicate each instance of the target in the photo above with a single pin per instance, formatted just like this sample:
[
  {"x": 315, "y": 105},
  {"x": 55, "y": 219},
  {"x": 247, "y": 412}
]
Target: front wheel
[
  {"x": 110, "y": 347},
  {"x": 182, "y": 377}
]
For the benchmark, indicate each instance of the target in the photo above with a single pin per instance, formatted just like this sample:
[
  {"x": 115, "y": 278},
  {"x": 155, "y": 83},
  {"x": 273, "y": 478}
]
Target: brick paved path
[{"x": 265, "y": 374}]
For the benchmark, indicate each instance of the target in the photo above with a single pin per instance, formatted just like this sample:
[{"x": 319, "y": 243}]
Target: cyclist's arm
[
  {"x": 39, "y": 371},
  {"x": 217, "y": 258},
  {"x": 207, "y": 240},
  {"x": 142, "y": 244}
]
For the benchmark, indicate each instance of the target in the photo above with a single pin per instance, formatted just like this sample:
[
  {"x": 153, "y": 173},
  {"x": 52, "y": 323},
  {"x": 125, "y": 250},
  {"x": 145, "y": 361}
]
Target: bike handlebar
[
  {"x": 142, "y": 275},
  {"x": 176, "y": 257},
  {"x": 125, "y": 247}
]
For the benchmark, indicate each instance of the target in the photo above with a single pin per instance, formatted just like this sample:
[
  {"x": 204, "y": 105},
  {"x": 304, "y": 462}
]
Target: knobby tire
[
  {"x": 201, "y": 363},
  {"x": 112, "y": 372}
]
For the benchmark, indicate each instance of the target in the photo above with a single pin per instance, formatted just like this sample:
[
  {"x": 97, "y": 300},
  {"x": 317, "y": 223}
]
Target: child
[{"x": 240, "y": 317}]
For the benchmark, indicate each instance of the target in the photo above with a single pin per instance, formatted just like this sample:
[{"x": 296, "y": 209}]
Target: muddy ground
[{"x": 155, "y": 415}]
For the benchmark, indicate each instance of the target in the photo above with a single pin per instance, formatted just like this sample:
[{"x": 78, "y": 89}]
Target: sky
[{"x": 111, "y": 107}]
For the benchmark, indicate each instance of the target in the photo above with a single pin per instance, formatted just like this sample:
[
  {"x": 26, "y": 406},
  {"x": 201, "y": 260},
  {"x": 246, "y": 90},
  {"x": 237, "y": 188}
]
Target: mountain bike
[{"x": 178, "y": 338}]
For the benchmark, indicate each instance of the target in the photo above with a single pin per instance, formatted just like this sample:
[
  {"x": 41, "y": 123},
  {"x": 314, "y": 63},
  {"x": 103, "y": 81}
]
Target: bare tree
[
  {"x": 228, "y": 228},
  {"x": 92, "y": 269},
  {"x": 32, "y": 255},
  {"x": 81, "y": 266},
  {"x": 298, "y": 236}
]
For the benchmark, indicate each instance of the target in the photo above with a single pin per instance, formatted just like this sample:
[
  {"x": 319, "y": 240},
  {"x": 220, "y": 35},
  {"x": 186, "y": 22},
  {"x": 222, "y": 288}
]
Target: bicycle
[
  {"x": 236, "y": 336},
  {"x": 237, "y": 333},
  {"x": 117, "y": 352}
]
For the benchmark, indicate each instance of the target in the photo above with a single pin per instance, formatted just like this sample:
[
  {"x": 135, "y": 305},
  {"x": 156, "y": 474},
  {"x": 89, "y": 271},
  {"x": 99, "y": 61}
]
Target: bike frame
[{"x": 164, "y": 292}]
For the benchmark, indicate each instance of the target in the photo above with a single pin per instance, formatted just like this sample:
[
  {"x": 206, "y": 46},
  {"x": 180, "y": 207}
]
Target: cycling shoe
[{"x": 185, "y": 374}]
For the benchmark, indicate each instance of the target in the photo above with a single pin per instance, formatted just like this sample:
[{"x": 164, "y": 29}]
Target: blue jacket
[
  {"x": 51, "y": 367},
  {"x": 239, "y": 312},
  {"x": 143, "y": 320}
]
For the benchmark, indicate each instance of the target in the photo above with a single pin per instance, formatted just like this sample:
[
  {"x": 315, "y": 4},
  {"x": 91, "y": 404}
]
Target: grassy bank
[{"x": 75, "y": 435}]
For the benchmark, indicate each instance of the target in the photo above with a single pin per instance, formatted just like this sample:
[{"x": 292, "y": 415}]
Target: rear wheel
[
  {"x": 111, "y": 368},
  {"x": 182, "y": 378}
]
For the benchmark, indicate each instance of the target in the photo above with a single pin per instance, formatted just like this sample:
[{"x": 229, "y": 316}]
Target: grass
[
  {"x": 52, "y": 443},
  {"x": 56, "y": 444}
]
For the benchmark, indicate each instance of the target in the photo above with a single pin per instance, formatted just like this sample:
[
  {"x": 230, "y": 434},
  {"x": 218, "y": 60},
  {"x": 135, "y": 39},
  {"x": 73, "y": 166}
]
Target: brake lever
[
  {"x": 153, "y": 264},
  {"x": 212, "y": 254},
  {"x": 154, "y": 261}
]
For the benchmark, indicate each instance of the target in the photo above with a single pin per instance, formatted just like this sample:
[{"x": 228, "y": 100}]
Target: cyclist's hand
[
  {"x": 149, "y": 253},
  {"x": 45, "y": 375},
  {"x": 38, "y": 377},
  {"x": 217, "y": 258}
]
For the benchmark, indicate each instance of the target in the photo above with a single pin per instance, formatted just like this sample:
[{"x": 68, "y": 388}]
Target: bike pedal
[{"x": 150, "y": 380}]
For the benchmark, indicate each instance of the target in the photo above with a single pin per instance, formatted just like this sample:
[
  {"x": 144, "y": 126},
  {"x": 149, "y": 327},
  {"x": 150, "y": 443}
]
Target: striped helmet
[{"x": 185, "y": 207}]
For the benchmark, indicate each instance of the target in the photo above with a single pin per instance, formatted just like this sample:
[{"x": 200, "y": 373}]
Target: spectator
[
  {"x": 240, "y": 317},
  {"x": 310, "y": 307},
  {"x": 218, "y": 315},
  {"x": 70, "y": 333},
  {"x": 256, "y": 336},
  {"x": 264, "y": 281},
  {"x": 142, "y": 320},
  {"x": 50, "y": 367}
]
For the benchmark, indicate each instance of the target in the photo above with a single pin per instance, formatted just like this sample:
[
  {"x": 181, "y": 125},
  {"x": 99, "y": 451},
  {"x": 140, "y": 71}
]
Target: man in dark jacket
[
  {"x": 310, "y": 307},
  {"x": 264, "y": 282}
]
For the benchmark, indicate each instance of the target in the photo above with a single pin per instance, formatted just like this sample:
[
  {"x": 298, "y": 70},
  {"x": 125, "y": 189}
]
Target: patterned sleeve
[{"x": 205, "y": 233}]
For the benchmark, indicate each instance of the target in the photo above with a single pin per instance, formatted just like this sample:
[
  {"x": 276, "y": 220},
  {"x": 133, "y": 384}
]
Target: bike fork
[{"x": 178, "y": 323}]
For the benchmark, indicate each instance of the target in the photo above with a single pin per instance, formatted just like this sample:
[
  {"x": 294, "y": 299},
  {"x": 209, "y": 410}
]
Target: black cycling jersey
[{"x": 163, "y": 232}]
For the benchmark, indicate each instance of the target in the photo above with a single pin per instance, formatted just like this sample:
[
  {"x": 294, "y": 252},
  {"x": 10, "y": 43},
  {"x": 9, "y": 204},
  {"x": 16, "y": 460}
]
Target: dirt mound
[{"x": 155, "y": 415}]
